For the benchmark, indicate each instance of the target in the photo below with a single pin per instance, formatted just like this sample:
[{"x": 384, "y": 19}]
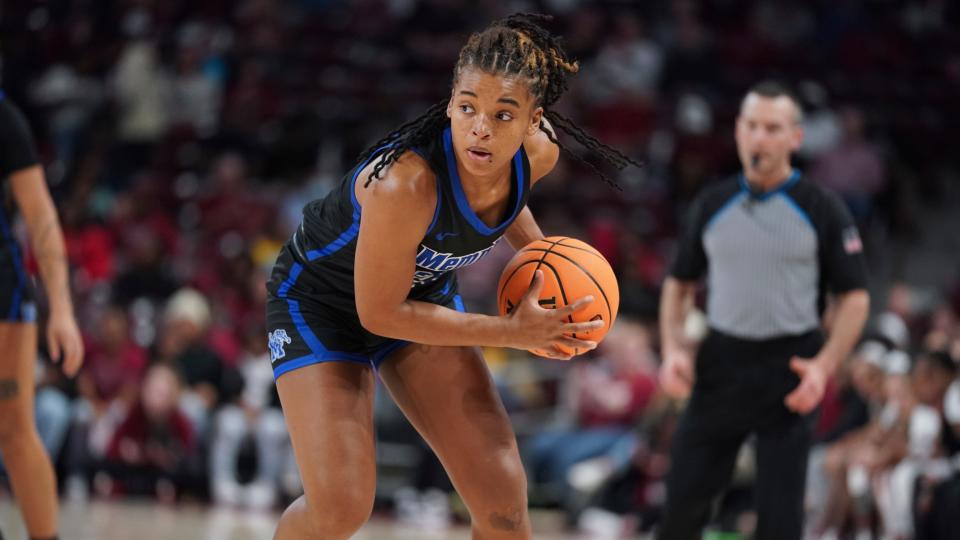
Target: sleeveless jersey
[
  {"x": 322, "y": 249},
  {"x": 17, "y": 152}
]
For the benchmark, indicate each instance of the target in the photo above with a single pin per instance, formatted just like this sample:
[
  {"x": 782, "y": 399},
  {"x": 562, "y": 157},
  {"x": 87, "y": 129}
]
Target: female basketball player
[
  {"x": 351, "y": 294},
  {"x": 27, "y": 462}
]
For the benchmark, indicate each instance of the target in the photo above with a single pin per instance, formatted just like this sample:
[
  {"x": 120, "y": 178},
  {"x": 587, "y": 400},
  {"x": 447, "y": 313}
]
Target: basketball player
[
  {"x": 366, "y": 283},
  {"x": 772, "y": 244},
  {"x": 28, "y": 464}
]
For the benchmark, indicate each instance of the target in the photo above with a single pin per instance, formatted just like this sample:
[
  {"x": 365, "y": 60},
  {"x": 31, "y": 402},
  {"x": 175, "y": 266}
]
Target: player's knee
[
  {"x": 503, "y": 499},
  {"x": 339, "y": 513}
]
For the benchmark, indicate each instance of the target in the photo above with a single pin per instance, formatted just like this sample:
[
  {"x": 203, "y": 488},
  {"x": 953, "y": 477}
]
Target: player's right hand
[
  {"x": 677, "y": 374},
  {"x": 537, "y": 328}
]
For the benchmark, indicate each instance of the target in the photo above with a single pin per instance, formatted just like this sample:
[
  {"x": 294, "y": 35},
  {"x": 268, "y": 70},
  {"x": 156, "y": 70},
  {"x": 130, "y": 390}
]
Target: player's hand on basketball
[
  {"x": 64, "y": 342},
  {"x": 813, "y": 382},
  {"x": 677, "y": 374},
  {"x": 540, "y": 328}
]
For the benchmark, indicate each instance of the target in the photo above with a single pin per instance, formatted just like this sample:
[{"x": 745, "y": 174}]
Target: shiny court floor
[{"x": 147, "y": 521}]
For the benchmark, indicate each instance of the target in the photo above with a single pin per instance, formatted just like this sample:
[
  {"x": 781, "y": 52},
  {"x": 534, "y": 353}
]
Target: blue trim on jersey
[
  {"x": 436, "y": 211},
  {"x": 291, "y": 279},
  {"x": 14, "y": 313},
  {"x": 458, "y": 303},
  {"x": 305, "y": 332},
  {"x": 736, "y": 199},
  {"x": 787, "y": 184},
  {"x": 2, "y": 95},
  {"x": 803, "y": 213},
  {"x": 345, "y": 238},
  {"x": 311, "y": 359},
  {"x": 319, "y": 352},
  {"x": 464, "y": 205},
  {"x": 351, "y": 233},
  {"x": 353, "y": 182}
]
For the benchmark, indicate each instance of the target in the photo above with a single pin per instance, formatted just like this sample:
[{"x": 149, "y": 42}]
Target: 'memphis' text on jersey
[{"x": 431, "y": 265}]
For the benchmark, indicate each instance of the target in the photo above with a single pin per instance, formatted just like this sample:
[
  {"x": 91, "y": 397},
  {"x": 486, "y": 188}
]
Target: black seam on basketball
[
  {"x": 515, "y": 270},
  {"x": 584, "y": 270},
  {"x": 553, "y": 243},
  {"x": 594, "y": 253},
  {"x": 589, "y": 275},
  {"x": 544, "y": 253},
  {"x": 563, "y": 293},
  {"x": 572, "y": 247}
]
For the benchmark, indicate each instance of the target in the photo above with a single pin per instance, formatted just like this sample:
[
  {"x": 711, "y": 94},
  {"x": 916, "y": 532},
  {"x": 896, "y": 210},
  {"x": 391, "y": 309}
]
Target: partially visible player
[
  {"x": 25, "y": 189},
  {"x": 367, "y": 283}
]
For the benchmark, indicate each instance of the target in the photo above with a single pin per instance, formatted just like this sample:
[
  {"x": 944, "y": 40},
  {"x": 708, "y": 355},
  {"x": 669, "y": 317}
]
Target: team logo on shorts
[{"x": 278, "y": 338}]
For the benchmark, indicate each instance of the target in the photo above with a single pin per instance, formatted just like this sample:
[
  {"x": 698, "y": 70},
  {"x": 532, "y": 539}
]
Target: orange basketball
[{"x": 571, "y": 270}]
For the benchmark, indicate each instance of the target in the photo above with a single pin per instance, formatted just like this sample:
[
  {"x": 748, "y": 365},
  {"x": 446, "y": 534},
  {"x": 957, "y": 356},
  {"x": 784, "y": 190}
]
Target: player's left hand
[
  {"x": 813, "y": 381},
  {"x": 64, "y": 342}
]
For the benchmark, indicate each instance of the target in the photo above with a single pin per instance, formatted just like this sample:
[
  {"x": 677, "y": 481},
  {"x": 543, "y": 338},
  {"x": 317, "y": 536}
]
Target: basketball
[{"x": 571, "y": 270}]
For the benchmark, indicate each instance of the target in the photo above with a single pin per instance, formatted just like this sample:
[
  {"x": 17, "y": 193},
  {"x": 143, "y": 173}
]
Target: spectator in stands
[
  {"x": 182, "y": 345},
  {"x": 855, "y": 168},
  {"x": 256, "y": 413},
  {"x": 151, "y": 451},
  {"x": 609, "y": 394},
  {"x": 108, "y": 386}
]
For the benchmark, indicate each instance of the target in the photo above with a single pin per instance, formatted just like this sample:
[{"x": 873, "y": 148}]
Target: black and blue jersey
[
  {"x": 17, "y": 152},
  {"x": 311, "y": 312}
]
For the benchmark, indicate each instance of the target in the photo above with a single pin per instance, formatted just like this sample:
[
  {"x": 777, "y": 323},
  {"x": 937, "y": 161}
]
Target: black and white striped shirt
[{"x": 770, "y": 258}]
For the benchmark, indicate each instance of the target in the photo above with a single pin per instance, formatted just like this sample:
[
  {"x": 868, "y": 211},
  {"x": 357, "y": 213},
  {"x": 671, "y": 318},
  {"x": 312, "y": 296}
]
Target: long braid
[
  {"x": 516, "y": 46},
  {"x": 416, "y": 132}
]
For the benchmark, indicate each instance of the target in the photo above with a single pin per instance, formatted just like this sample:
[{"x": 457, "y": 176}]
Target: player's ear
[
  {"x": 450, "y": 104},
  {"x": 535, "y": 120}
]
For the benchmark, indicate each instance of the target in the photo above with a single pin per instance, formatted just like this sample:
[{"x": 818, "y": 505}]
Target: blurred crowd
[{"x": 181, "y": 140}]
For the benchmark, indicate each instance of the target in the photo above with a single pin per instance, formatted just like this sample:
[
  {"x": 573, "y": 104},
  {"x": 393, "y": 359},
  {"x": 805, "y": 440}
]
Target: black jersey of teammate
[
  {"x": 325, "y": 242},
  {"x": 16, "y": 153}
]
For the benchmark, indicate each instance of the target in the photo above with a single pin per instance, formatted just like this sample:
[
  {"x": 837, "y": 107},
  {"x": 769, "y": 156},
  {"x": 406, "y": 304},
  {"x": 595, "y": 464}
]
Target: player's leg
[
  {"x": 28, "y": 465},
  {"x": 329, "y": 412},
  {"x": 449, "y": 396}
]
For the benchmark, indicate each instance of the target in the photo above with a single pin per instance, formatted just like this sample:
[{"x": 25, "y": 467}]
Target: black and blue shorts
[
  {"x": 309, "y": 325},
  {"x": 16, "y": 288}
]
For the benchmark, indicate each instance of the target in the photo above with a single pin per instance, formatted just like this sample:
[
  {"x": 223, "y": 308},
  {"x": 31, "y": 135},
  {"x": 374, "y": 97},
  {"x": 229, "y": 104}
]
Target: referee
[{"x": 772, "y": 245}]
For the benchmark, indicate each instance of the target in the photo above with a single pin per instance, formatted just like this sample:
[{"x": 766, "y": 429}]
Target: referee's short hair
[{"x": 773, "y": 89}]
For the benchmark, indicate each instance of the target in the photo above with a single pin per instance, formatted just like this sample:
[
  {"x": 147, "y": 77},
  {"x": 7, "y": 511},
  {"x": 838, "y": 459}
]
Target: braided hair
[{"x": 515, "y": 46}]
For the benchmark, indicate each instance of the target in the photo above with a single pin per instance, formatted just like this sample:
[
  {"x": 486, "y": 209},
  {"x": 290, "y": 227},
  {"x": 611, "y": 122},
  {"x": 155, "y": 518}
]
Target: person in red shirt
[{"x": 152, "y": 448}]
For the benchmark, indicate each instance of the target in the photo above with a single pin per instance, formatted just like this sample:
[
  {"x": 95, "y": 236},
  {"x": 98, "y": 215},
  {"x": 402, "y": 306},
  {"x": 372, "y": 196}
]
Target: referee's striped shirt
[{"x": 770, "y": 258}]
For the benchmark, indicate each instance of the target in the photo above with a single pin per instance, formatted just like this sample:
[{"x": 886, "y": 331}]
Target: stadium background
[{"x": 181, "y": 139}]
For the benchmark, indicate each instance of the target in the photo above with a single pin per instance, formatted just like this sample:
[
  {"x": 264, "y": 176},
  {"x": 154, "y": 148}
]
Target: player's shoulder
[{"x": 407, "y": 180}]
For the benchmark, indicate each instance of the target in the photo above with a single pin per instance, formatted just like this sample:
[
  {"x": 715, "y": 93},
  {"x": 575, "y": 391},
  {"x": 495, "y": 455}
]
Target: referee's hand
[
  {"x": 676, "y": 374},
  {"x": 813, "y": 382}
]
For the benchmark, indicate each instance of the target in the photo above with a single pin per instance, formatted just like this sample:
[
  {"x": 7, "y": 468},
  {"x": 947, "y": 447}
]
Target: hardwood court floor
[{"x": 98, "y": 520}]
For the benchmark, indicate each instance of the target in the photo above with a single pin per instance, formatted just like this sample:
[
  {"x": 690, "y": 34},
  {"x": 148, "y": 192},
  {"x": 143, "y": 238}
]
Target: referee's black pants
[{"x": 739, "y": 390}]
